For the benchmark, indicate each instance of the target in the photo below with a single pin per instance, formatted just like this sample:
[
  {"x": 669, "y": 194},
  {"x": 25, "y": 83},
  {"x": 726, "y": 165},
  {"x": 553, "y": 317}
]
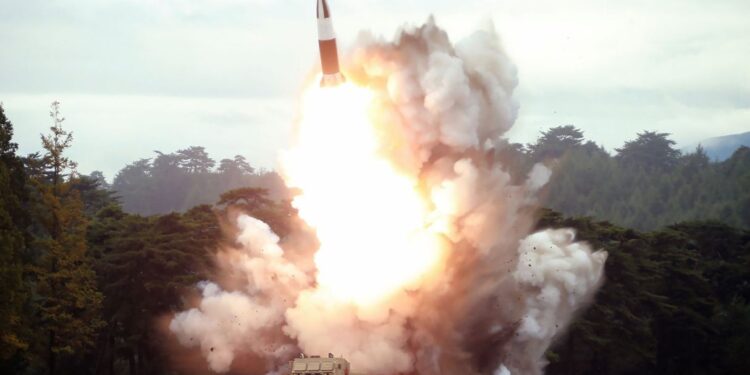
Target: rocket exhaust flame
[
  {"x": 375, "y": 198},
  {"x": 426, "y": 263}
]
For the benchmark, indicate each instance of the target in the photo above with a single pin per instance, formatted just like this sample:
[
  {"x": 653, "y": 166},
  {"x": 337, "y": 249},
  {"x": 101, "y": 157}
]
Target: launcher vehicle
[{"x": 315, "y": 365}]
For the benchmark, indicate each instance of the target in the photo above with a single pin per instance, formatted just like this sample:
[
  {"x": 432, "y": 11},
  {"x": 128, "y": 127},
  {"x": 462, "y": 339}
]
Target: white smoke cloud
[
  {"x": 557, "y": 276},
  {"x": 499, "y": 297},
  {"x": 368, "y": 338},
  {"x": 228, "y": 322}
]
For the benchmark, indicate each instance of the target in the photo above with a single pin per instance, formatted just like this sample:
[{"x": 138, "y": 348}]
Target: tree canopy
[
  {"x": 176, "y": 182},
  {"x": 647, "y": 184},
  {"x": 651, "y": 150}
]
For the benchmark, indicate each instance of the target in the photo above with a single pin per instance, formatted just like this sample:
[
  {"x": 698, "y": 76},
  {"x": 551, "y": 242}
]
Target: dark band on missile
[
  {"x": 326, "y": 13},
  {"x": 329, "y": 56}
]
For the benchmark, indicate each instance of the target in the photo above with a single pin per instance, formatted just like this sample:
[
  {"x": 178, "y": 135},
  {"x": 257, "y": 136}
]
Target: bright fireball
[{"x": 372, "y": 222}]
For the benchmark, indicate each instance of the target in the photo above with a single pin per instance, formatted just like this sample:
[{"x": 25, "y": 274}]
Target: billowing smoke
[
  {"x": 489, "y": 298},
  {"x": 248, "y": 318}
]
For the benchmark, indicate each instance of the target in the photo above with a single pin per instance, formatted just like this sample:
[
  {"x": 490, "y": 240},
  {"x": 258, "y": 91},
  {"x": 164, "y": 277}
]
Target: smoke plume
[{"x": 492, "y": 296}]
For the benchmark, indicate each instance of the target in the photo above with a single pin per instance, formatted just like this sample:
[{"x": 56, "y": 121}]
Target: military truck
[{"x": 315, "y": 365}]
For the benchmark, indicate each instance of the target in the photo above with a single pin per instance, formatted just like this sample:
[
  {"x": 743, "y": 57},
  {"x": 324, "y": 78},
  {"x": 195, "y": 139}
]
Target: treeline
[
  {"x": 647, "y": 184},
  {"x": 82, "y": 282},
  {"x": 178, "y": 181},
  {"x": 675, "y": 302}
]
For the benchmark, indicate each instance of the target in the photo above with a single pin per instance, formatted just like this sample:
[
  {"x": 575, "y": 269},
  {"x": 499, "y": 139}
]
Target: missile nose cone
[{"x": 323, "y": 11}]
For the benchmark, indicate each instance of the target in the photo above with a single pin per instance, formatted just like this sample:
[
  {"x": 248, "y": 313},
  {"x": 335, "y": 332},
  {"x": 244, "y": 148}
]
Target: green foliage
[
  {"x": 648, "y": 185},
  {"x": 733, "y": 324},
  {"x": 195, "y": 160},
  {"x": 145, "y": 263},
  {"x": 615, "y": 334},
  {"x": 651, "y": 150},
  {"x": 55, "y": 144},
  {"x": 13, "y": 220},
  {"x": 66, "y": 299},
  {"x": 674, "y": 302},
  {"x": 143, "y": 266},
  {"x": 255, "y": 202},
  {"x": 555, "y": 142},
  {"x": 178, "y": 181},
  {"x": 94, "y": 192}
]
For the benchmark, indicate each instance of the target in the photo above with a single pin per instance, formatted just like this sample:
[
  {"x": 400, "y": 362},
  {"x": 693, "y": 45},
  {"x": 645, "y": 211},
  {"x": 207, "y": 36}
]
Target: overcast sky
[{"x": 135, "y": 76}]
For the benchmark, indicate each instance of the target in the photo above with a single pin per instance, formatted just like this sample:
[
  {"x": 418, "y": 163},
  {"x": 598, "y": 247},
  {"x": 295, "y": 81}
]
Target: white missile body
[{"x": 329, "y": 54}]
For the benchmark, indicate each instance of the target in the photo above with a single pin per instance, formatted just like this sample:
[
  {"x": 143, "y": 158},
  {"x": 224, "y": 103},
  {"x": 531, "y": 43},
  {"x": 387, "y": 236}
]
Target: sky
[{"x": 135, "y": 76}]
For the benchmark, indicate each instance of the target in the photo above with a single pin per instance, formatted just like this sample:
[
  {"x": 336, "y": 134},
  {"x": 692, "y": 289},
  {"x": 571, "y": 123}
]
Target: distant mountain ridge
[{"x": 721, "y": 148}]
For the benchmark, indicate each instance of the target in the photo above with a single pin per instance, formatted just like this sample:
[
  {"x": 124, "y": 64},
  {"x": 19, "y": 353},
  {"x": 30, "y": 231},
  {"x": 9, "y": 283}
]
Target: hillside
[
  {"x": 721, "y": 148},
  {"x": 646, "y": 185}
]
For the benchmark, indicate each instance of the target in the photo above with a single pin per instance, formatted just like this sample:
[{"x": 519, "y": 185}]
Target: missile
[{"x": 329, "y": 53}]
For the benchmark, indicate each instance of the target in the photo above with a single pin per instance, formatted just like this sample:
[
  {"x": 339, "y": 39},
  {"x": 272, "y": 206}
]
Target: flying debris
[{"x": 329, "y": 54}]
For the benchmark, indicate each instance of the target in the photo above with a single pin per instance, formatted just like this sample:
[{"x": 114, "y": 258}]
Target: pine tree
[
  {"x": 555, "y": 142},
  {"x": 67, "y": 297},
  {"x": 651, "y": 150},
  {"x": 13, "y": 220},
  {"x": 144, "y": 263}
]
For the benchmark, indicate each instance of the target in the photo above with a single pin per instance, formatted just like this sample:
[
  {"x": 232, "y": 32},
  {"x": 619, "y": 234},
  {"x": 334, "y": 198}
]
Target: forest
[
  {"x": 181, "y": 180},
  {"x": 646, "y": 185},
  {"x": 89, "y": 267}
]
